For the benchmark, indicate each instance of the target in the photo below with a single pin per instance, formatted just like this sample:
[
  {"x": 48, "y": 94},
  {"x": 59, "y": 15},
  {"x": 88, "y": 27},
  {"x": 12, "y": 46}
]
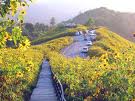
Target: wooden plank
[
  {"x": 43, "y": 98},
  {"x": 44, "y": 90}
]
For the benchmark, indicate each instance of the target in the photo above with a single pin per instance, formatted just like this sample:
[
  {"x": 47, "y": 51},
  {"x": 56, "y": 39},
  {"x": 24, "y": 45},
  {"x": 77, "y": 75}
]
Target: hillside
[
  {"x": 57, "y": 33},
  {"x": 121, "y": 23},
  {"x": 111, "y": 59},
  {"x": 19, "y": 68},
  {"x": 33, "y": 66}
]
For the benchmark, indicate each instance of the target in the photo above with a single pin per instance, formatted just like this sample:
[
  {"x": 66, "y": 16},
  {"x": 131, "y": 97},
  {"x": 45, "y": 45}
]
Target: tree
[
  {"x": 40, "y": 27},
  {"x": 29, "y": 27},
  {"x": 69, "y": 21},
  {"x": 43, "y": 27},
  {"x": 52, "y": 21},
  {"x": 16, "y": 9},
  {"x": 36, "y": 27},
  {"x": 90, "y": 22}
]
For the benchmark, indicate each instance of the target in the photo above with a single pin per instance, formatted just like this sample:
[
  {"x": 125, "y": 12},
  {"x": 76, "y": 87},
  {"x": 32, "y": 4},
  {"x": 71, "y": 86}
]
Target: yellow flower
[
  {"x": 116, "y": 55},
  {"x": 23, "y": 4},
  {"x": 21, "y": 47},
  {"x": 1, "y": 61},
  {"x": 100, "y": 66},
  {"x": 6, "y": 36},
  {"x": 90, "y": 82},
  {"x": 28, "y": 69},
  {"x": 105, "y": 64},
  {"x": 30, "y": 64},
  {"x": 19, "y": 74},
  {"x": 23, "y": 12},
  {"x": 103, "y": 57},
  {"x": 24, "y": 45},
  {"x": 27, "y": 43}
]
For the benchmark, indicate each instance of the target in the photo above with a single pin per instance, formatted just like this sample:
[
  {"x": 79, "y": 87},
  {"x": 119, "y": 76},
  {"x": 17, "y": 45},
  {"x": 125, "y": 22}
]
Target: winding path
[
  {"x": 45, "y": 90},
  {"x": 75, "y": 48}
]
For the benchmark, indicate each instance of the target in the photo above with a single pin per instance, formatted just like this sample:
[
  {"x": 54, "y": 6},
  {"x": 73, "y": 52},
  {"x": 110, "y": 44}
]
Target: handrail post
[{"x": 58, "y": 87}]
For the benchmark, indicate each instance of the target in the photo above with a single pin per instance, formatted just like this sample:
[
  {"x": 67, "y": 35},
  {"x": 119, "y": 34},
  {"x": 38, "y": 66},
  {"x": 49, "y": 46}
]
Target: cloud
[
  {"x": 65, "y": 9},
  {"x": 121, "y": 5}
]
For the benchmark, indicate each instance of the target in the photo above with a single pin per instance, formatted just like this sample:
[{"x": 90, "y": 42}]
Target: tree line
[{"x": 35, "y": 30}]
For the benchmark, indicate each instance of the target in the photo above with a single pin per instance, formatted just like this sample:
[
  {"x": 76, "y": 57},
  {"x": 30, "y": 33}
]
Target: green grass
[
  {"x": 57, "y": 33},
  {"x": 50, "y": 35}
]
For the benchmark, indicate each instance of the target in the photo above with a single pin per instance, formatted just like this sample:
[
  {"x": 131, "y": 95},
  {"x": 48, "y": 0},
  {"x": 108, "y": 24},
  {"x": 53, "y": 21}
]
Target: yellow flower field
[
  {"x": 109, "y": 74},
  {"x": 19, "y": 68}
]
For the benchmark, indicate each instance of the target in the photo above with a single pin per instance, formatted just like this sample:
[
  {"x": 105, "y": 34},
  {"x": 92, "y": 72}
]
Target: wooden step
[
  {"x": 43, "y": 98},
  {"x": 44, "y": 90}
]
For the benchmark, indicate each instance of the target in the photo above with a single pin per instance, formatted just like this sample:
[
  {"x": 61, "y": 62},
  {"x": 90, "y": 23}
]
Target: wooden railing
[{"x": 58, "y": 88}]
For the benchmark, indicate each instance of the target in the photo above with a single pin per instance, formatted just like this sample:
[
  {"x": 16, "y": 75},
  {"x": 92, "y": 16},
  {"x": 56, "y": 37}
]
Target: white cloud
[
  {"x": 121, "y": 5},
  {"x": 65, "y": 9}
]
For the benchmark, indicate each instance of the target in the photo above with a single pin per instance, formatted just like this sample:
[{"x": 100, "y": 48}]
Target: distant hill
[{"x": 121, "y": 23}]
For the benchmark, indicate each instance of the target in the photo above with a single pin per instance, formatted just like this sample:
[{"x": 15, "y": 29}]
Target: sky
[{"x": 42, "y": 10}]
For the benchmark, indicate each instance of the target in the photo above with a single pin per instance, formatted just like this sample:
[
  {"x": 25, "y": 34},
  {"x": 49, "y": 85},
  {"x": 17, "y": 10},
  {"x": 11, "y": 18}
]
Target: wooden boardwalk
[{"x": 44, "y": 90}]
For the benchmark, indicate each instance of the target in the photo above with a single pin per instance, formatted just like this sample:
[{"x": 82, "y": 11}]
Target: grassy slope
[
  {"x": 108, "y": 75},
  {"x": 57, "y": 33},
  {"x": 105, "y": 17},
  {"x": 113, "y": 61},
  {"x": 19, "y": 69},
  {"x": 50, "y": 35},
  {"x": 108, "y": 41}
]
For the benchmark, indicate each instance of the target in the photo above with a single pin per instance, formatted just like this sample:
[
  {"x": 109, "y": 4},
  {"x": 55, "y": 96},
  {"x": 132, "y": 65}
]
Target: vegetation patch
[
  {"x": 108, "y": 74},
  {"x": 57, "y": 33},
  {"x": 19, "y": 68}
]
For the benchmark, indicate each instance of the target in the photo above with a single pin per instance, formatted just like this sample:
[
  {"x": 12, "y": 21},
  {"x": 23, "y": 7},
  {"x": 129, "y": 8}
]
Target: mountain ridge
[{"x": 119, "y": 22}]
